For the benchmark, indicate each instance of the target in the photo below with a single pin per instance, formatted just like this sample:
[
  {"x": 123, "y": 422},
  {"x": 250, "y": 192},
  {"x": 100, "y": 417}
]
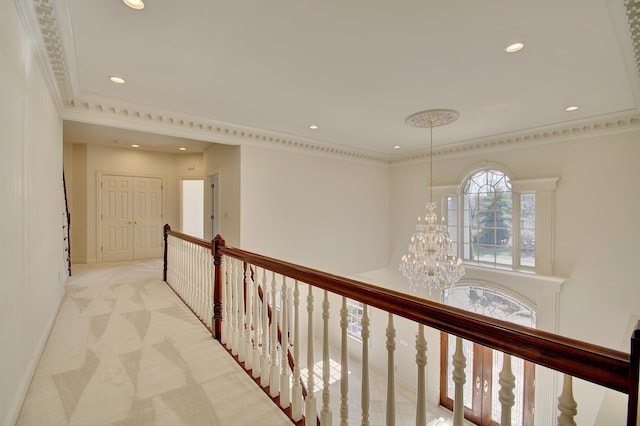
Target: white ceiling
[{"x": 355, "y": 68}]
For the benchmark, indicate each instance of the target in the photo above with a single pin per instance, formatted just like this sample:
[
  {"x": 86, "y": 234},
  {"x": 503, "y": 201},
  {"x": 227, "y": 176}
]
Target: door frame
[
  {"x": 99, "y": 175},
  {"x": 214, "y": 177}
]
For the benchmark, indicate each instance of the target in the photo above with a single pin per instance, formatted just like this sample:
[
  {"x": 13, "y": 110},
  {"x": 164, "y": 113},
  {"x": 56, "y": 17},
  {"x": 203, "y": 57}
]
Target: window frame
[{"x": 544, "y": 191}]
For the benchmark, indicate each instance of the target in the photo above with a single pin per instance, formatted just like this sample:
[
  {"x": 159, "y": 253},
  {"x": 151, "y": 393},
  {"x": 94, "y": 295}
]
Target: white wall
[
  {"x": 321, "y": 212},
  {"x": 224, "y": 160},
  {"x": 30, "y": 213},
  {"x": 88, "y": 160}
]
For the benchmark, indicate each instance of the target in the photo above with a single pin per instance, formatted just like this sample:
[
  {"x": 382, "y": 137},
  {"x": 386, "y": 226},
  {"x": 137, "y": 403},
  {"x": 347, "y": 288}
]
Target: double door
[
  {"x": 481, "y": 390},
  {"x": 131, "y": 217}
]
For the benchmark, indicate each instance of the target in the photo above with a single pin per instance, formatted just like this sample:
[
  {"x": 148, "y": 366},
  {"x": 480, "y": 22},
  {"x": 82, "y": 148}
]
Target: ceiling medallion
[{"x": 432, "y": 118}]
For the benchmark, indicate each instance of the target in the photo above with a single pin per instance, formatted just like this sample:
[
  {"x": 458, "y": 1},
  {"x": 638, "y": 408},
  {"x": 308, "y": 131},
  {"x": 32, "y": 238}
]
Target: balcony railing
[{"x": 254, "y": 305}]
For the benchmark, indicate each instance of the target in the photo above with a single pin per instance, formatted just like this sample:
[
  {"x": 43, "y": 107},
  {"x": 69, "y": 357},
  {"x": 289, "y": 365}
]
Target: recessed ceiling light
[
  {"x": 134, "y": 4},
  {"x": 117, "y": 80},
  {"x": 515, "y": 47},
  {"x": 182, "y": 148},
  {"x": 396, "y": 147},
  {"x": 572, "y": 108},
  {"x": 313, "y": 127},
  {"x": 135, "y": 146}
]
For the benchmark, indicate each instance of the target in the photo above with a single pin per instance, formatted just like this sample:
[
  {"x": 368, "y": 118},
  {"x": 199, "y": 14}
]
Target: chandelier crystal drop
[{"x": 428, "y": 264}]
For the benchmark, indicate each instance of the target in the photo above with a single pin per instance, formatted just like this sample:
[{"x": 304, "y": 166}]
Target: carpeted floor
[{"x": 124, "y": 350}]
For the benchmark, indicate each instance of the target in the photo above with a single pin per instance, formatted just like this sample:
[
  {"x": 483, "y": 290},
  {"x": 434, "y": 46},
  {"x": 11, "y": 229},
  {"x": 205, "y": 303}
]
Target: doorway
[
  {"x": 130, "y": 217},
  {"x": 192, "y": 207},
  {"x": 481, "y": 404}
]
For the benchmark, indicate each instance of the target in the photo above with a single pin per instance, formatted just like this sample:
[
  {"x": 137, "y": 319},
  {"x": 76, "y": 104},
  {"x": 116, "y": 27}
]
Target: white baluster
[
  {"x": 285, "y": 380},
  {"x": 391, "y": 383},
  {"x": 365, "y": 399},
  {"x": 248, "y": 327},
  {"x": 274, "y": 380},
  {"x": 265, "y": 365},
  {"x": 310, "y": 402},
  {"x": 256, "y": 324},
  {"x": 225, "y": 301},
  {"x": 344, "y": 366},
  {"x": 242, "y": 351},
  {"x": 505, "y": 395},
  {"x": 296, "y": 391},
  {"x": 326, "y": 417},
  {"x": 234, "y": 308},
  {"x": 421, "y": 362},
  {"x": 459, "y": 379},
  {"x": 567, "y": 404}
]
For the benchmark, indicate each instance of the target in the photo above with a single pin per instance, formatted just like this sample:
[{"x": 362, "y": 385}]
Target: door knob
[{"x": 477, "y": 382}]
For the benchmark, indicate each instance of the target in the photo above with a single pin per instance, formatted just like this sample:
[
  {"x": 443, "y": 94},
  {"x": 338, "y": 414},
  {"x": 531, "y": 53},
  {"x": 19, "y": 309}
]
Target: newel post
[
  {"x": 167, "y": 228},
  {"x": 633, "y": 411},
  {"x": 217, "y": 242}
]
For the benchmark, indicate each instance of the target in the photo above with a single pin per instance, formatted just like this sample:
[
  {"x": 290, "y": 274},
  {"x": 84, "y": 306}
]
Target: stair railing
[{"x": 240, "y": 320}]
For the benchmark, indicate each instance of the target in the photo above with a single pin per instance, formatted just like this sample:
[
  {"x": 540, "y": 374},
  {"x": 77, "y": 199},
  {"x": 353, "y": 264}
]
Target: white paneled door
[{"x": 131, "y": 217}]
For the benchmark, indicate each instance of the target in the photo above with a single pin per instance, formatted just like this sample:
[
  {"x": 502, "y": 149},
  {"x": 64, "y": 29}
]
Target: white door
[
  {"x": 147, "y": 218},
  {"x": 131, "y": 218},
  {"x": 117, "y": 218}
]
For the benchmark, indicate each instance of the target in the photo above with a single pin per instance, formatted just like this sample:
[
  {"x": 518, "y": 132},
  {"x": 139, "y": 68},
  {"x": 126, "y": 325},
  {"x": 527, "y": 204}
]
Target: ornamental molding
[
  {"x": 585, "y": 128},
  {"x": 41, "y": 22},
  {"x": 136, "y": 118},
  {"x": 633, "y": 18}
]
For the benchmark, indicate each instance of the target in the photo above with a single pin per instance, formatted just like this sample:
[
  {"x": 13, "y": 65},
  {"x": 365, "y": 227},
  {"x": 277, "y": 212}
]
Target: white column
[
  {"x": 344, "y": 366},
  {"x": 505, "y": 395},
  {"x": 421, "y": 362},
  {"x": 325, "y": 413},
  {"x": 365, "y": 366},
  {"x": 459, "y": 379},
  {"x": 391, "y": 386},
  {"x": 567, "y": 404}
]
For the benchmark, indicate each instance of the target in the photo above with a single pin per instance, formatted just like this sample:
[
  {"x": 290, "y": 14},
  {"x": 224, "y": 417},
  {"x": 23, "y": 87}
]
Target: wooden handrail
[
  {"x": 596, "y": 364},
  {"x": 603, "y": 366}
]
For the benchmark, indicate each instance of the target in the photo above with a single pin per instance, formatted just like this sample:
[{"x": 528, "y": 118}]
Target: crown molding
[
  {"x": 169, "y": 123},
  {"x": 615, "y": 123},
  {"x": 41, "y": 22}
]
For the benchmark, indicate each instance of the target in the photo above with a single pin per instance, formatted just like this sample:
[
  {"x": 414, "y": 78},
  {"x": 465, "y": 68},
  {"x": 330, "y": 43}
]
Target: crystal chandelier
[{"x": 428, "y": 264}]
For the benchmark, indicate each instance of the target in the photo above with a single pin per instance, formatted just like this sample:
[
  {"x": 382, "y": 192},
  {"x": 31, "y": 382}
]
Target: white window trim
[{"x": 544, "y": 189}]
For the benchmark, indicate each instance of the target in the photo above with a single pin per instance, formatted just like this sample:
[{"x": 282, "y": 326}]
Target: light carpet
[{"x": 124, "y": 350}]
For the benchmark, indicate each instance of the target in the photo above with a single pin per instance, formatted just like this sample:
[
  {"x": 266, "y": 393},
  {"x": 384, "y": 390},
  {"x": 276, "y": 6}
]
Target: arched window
[
  {"x": 498, "y": 222},
  {"x": 488, "y": 218}
]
